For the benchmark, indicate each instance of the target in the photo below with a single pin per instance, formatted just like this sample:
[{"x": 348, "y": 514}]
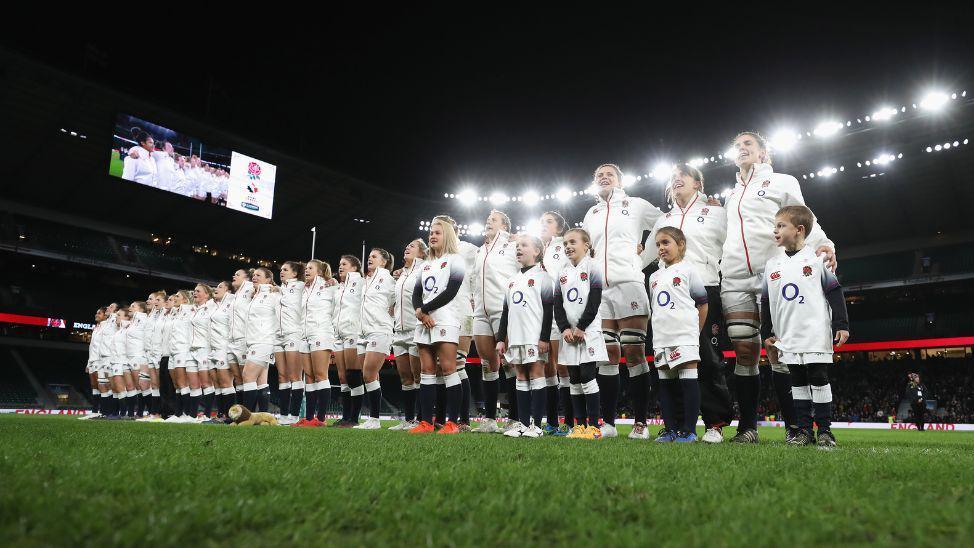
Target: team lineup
[{"x": 559, "y": 311}]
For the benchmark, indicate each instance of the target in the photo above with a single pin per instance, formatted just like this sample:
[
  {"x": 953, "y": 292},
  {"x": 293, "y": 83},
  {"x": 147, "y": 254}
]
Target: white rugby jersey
[
  {"x": 554, "y": 257},
  {"x": 151, "y": 319},
  {"x": 94, "y": 345},
  {"x": 794, "y": 288},
  {"x": 404, "y": 315},
  {"x": 182, "y": 329},
  {"x": 572, "y": 288},
  {"x": 201, "y": 325},
  {"x": 675, "y": 292},
  {"x": 705, "y": 227},
  {"x": 241, "y": 307},
  {"x": 751, "y": 208},
  {"x": 219, "y": 336},
  {"x": 292, "y": 308},
  {"x": 165, "y": 170},
  {"x": 438, "y": 285},
  {"x": 378, "y": 298},
  {"x": 264, "y": 316},
  {"x": 119, "y": 354},
  {"x": 464, "y": 300},
  {"x": 319, "y": 308},
  {"x": 142, "y": 169},
  {"x": 109, "y": 326},
  {"x": 348, "y": 303},
  {"x": 165, "y": 332},
  {"x": 616, "y": 227},
  {"x": 135, "y": 337},
  {"x": 496, "y": 263},
  {"x": 528, "y": 294}
]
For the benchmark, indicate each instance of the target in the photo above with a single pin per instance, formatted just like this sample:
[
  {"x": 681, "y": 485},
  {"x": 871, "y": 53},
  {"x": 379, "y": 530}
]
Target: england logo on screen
[{"x": 253, "y": 173}]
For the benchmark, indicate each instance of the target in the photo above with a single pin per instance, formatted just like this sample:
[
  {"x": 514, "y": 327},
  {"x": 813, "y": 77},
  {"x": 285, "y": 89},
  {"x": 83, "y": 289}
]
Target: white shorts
[
  {"x": 375, "y": 342},
  {"x": 182, "y": 361},
  {"x": 345, "y": 341},
  {"x": 592, "y": 350},
  {"x": 118, "y": 369},
  {"x": 404, "y": 342},
  {"x": 220, "y": 358},
  {"x": 154, "y": 360},
  {"x": 523, "y": 354},
  {"x": 317, "y": 343},
  {"x": 805, "y": 358},
  {"x": 675, "y": 356},
  {"x": 466, "y": 326},
  {"x": 202, "y": 358},
  {"x": 624, "y": 300},
  {"x": 261, "y": 354},
  {"x": 292, "y": 342},
  {"x": 440, "y": 333},
  {"x": 556, "y": 333},
  {"x": 486, "y": 326},
  {"x": 741, "y": 295},
  {"x": 136, "y": 362},
  {"x": 237, "y": 352}
]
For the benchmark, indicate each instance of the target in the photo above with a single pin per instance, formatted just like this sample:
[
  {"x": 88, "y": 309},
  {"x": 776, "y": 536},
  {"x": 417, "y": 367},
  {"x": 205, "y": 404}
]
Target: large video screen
[{"x": 152, "y": 155}]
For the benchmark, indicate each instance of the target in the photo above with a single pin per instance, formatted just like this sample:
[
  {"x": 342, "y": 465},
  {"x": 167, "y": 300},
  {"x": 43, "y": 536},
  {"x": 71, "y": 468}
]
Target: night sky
[{"x": 434, "y": 98}]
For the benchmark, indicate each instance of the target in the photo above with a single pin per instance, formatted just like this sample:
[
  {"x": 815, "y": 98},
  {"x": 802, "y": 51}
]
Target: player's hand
[
  {"x": 713, "y": 200},
  {"x": 543, "y": 347},
  {"x": 578, "y": 335},
  {"x": 133, "y": 153},
  {"x": 640, "y": 248},
  {"x": 501, "y": 347},
  {"x": 841, "y": 336},
  {"x": 830, "y": 261},
  {"x": 428, "y": 321},
  {"x": 567, "y": 335},
  {"x": 396, "y": 273},
  {"x": 770, "y": 341},
  {"x": 330, "y": 282}
]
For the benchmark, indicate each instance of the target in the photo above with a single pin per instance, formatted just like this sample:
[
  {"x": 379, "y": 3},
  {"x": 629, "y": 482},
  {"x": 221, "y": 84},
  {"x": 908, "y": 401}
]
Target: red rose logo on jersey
[
  {"x": 531, "y": 282},
  {"x": 653, "y": 286},
  {"x": 705, "y": 211},
  {"x": 775, "y": 276},
  {"x": 668, "y": 215},
  {"x": 530, "y": 352},
  {"x": 807, "y": 270},
  {"x": 557, "y": 248},
  {"x": 715, "y": 330},
  {"x": 373, "y": 343},
  {"x": 625, "y": 203},
  {"x": 766, "y": 184},
  {"x": 563, "y": 280},
  {"x": 253, "y": 170},
  {"x": 510, "y": 285},
  {"x": 425, "y": 268},
  {"x": 317, "y": 343},
  {"x": 676, "y": 281},
  {"x": 591, "y": 351},
  {"x": 443, "y": 332},
  {"x": 583, "y": 276},
  {"x": 634, "y": 305},
  {"x": 443, "y": 264},
  {"x": 674, "y": 355}
]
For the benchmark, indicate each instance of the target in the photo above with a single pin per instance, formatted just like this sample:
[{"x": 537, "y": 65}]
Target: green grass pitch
[{"x": 65, "y": 482}]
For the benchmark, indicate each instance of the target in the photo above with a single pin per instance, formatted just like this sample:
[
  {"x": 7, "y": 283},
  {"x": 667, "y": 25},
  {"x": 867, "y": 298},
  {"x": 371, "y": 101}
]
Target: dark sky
[{"x": 506, "y": 96}]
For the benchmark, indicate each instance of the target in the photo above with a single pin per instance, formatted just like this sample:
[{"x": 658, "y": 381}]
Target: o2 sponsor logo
[{"x": 789, "y": 292}]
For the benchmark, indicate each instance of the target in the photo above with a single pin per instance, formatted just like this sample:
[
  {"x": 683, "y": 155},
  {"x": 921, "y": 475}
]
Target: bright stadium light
[
  {"x": 476, "y": 228},
  {"x": 731, "y": 153},
  {"x": 827, "y": 129},
  {"x": 884, "y": 114},
  {"x": 628, "y": 180},
  {"x": 696, "y": 162},
  {"x": 498, "y": 198},
  {"x": 531, "y": 198},
  {"x": 662, "y": 171},
  {"x": 935, "y": 100},
  {"x": 532, "y": 228},
  {"x": 784, "y": 140},
  {"x": 467, "y": 197},
  {"x": 563, "y": 194}
]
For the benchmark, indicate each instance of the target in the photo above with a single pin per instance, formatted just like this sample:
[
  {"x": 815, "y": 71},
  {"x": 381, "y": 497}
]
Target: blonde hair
[
  {"x": 423, "y": 248},
  {"x": 538, "y": 244},
  {"x": 504, "y": 218},
  {"x": 451, "y": 242},
  {"x": 321, "y": 267},
  {"x": 207, "y": 289},
  {"x": 186, "y": 295}
]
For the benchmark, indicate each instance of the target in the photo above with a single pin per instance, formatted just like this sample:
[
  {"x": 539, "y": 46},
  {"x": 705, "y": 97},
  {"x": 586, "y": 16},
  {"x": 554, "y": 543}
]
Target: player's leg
[
  {"x": 463, "y": 350},
  {"x": 320, "y": 364},
  {"x": 632, "y": 336},
  {"x": 801, "y": 392},
  {"x": 818, "y": 378},
  {"x": 690, "y": 389},
  {"x": 716, "y": 404},
  {"x": 264, "y": 391},
  {"x": 283, "y": 385},
  {"x": 345, "y": 393},
  {"x": 743, "y": 329},
  {"x": 578, "y": 400},
  {"x": 608, "y": 377},
  {"x": 295, "y": 372},
  {"x": 551, "y": 388},
  {"x": 404, "y": 369},
  {"x": 356, "y": 380},
  {"x": 490, "y": 365},
  {"x": 427, "y": 389},
  {"x": 373, "y": 389},
  {"x": 565, "y": 397},
  {"x": 781, "y": 378}
]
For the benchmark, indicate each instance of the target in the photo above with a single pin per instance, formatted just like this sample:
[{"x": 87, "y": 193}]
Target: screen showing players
[{"x": 156, "y": 156}]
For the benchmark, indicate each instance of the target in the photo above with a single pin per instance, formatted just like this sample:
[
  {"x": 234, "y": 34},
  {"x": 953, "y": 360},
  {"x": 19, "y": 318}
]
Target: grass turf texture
[{"x": 66, "y": 482}]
